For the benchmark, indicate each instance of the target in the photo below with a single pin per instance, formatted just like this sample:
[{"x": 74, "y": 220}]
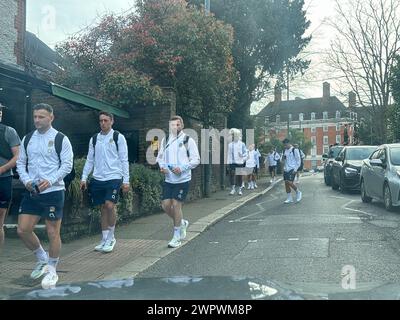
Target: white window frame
[
  {"x": 313, "y": 129},
  {"x": 290, "y": 117},
  {"x": 337, "y": 126},
  {"x": 313, "y": 141},
  {"x": 326, "y": 140},
  {"x": 325, "y": 115},
  {"x": 278, "y": 118},
  {"x": 325, "y": 128},
  {"x": 338, "y": 138},
  {"x": 337, "y": 114},
  {"x": 301, "y": 117},
  {"x": 312, "y": 115}
]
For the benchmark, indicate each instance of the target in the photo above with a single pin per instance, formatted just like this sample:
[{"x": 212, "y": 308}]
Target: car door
[
  {"x": 337, "y": 167},
  {"x": 379, "y": 173},
  {"x": 368, "y": 174}
]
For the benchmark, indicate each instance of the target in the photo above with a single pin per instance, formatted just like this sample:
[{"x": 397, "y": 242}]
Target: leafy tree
[
  {"x": 394, "y": 109},
  {"x": 268, "y": 36},
  {"x": 165, "y": 43}
]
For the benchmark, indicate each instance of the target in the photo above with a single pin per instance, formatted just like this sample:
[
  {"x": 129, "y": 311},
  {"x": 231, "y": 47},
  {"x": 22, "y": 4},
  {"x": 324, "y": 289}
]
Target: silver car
[{"x": 380, "y": 176}]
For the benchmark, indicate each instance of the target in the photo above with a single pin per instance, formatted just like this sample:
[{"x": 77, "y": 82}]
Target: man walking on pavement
[
  {"x": 45, "y": 159},
  {"x": 9, "y": 151},
  {"x": 108, "y": 159},
  {"x": 237, "y": 155},
  {"x": 177, "y": 158},
  {"x": 292, "y": 160},
  {"x": 272, "y": 161}
]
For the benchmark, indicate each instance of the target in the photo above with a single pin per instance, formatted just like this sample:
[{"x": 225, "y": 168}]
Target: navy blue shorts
[
  {"x": 102, "y": 191},
  {"x": 289, "y": 176},
  {"x": 5, "y": 192},
  {"x": 46, "y": 205},
  {"x": 177, "y": 191}
]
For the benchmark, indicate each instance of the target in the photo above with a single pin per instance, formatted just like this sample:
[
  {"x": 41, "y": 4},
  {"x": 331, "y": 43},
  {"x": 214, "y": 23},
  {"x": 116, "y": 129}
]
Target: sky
[{"x": 54, "y": 20}]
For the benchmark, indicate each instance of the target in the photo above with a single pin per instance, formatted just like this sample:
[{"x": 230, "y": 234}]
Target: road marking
[
  {"x": 260, "y": 206},
  {"x": 293, "y": 239},
  {"x": 340, "y": 239},
  {"x": 252, "y": 241},
  {"x": 355, "y": 210},
  {"x": 213, "y": 242}
]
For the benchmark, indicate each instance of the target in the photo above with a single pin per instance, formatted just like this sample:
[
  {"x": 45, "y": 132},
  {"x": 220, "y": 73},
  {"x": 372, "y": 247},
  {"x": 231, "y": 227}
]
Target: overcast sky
[{"x": 54, "y": 20}]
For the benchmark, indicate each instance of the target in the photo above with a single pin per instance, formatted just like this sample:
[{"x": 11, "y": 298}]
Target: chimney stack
[
  {"x": 326, "y": 88},
  {"x": 352, "y": 99},
  {"x": 278, "y": 95}
]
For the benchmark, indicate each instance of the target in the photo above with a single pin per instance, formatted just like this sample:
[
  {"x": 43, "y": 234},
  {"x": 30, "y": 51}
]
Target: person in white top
[
  {"x": 237, "y": 155},
  {"x": 292, "y": 159},
  {"x": 272, "y": 161},
  {"x": 177, "y": 157},
  {"x": 108, "y": 159},
  {"x": 251, "y": 163},
  {"x": 258, "y": 157},
  {"x": 42, "y": 168}
]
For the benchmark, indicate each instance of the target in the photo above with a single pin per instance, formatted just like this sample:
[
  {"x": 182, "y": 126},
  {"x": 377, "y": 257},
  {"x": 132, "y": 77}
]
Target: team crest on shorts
[
  {"x": 115, "y": 191},
  {"x": 52, "y": 209}
]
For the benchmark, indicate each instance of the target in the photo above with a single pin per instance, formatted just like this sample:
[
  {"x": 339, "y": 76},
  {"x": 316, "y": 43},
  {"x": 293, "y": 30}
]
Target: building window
[
  {"x": 337, "y": 126},
  {"x": 325, "y": 115},
  {"x": 301, "y": 116},
  {"x": 313, "y": 141},
  {"x": 312, "y": 115},
  {"x": 278, "y": 118},
  {"x": 337, "y": 114},
  {"x": 290, "y": 117},
  {"x": 326, "y": 149},
  {"x": 338, "y": 138},
  {"x": 325, "y": 128},
  {"x": 314, "y": 151},
  {"x": 355, "y": 116},
  {"x": 325, "y": 139}
]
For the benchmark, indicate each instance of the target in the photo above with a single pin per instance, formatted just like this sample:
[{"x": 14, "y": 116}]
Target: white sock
[
  {"x": 289, "y": 196},
  {"x": 110, "y": 235},
  {"x": 177, "y": 232},
  {"x": 53, "y": 262},
  {"x": 105, "y": 234},
  {"x": 297, "y": 191},
  {"x": 40, "y": 254},
  {"x": 233, "y": 187}
]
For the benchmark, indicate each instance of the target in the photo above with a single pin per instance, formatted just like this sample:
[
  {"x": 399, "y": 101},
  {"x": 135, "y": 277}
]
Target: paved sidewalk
[{"x": 140, "y": 244}]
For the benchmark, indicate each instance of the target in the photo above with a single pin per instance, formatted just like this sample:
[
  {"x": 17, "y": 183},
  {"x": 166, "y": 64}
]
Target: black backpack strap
[
  {"x": 115, "y": 137},
  {"x": 26, "y": 142},
  {"x": 58, "y": 144},
  {"x": 185, "y": 143}
]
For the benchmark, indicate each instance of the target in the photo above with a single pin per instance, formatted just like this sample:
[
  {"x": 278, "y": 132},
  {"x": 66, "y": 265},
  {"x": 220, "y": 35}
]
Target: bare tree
[{"x": 364, "y": 53}]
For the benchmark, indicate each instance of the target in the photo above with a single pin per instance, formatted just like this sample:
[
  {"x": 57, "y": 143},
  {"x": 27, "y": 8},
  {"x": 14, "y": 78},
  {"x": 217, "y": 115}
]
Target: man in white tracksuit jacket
[{"x": 177, "y": 158}]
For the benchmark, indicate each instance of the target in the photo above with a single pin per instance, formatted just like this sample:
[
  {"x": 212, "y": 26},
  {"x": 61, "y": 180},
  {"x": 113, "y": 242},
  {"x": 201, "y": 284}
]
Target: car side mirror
[
  {"x": 324, "y": 156},
  {"x": 338, "y": 159},
  {"x": 376, "y": 163}
]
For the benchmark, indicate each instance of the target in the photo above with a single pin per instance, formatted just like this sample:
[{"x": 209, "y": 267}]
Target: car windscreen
[
  {"x": 359, "y": 153},
  {"x": 334, "y": 152},
  {"x": 395, "y": 156}
]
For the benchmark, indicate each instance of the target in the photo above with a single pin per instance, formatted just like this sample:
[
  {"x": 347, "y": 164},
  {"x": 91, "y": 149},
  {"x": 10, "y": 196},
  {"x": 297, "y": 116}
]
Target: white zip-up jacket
[
  {"x": 293, "y": 160},
  {"x": 173, "y": 154},
  {"x": 43, "y": 161},
  {"x": 106, "y": 162},
  {"x": 252, "y": 157},
  {"x": 237, "y": 152}
]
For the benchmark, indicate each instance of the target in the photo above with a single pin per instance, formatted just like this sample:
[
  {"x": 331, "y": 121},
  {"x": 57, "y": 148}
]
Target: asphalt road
[{"x": 328, "y": 243}]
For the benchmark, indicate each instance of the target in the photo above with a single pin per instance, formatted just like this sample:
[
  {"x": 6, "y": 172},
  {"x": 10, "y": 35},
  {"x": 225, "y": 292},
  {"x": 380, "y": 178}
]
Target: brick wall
[{"x": 10, "y": 27}]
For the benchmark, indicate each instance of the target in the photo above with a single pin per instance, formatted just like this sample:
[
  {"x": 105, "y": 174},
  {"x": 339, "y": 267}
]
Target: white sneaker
[
  {"x": 174, "y": 243},
  {"x": 249, "y": 186},
  {"x": 109, "y": 245},
  {"x": 255, "y": 186},
  {"x": 240, "y": 192},
  {"x": 232, "y": 192},
  {"x": 289, "y": 200},
  {"x": 100, "y": 246},
  {"x": 299, "y": 195},
  {"x": 40, "y": 269},
  {"x": 50, "y": 280},
  {"x": 271, "y": 181},
  {"x": 184, "y": 226}
]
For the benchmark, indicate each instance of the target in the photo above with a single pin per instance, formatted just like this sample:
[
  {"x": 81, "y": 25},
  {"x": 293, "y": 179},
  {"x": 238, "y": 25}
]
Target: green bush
[{"x": 145, "y": 183}]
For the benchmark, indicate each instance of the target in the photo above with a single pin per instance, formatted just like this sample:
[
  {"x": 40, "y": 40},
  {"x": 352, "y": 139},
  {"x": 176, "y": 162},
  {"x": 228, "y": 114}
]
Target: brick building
[{"x": 322, "y": 120}]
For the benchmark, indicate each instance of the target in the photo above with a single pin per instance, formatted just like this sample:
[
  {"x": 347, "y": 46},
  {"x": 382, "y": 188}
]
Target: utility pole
[{"x": 207, "y": 6}]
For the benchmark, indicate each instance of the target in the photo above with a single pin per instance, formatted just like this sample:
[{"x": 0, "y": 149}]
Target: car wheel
[
  {"x": 333, "y": 183},
  {"x": 387, "y": 198},
  {"x": 364, "y": 196}
]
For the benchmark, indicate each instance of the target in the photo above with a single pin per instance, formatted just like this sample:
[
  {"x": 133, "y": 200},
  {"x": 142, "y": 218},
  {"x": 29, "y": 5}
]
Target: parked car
[
  {"x": 347, "y": 165},
  {"x": 380, "y": 176},
  {"x": 328, "y": 162}
]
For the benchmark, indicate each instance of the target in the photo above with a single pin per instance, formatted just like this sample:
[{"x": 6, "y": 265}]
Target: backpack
[
  {"x": 5, "y": 150},
  {"x": 115, "y": 138},
  {"x": 185, "y": 143},
  {"x": 58, "y": 146}
]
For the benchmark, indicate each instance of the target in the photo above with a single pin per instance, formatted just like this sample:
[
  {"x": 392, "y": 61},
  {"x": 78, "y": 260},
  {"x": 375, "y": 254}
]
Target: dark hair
[
  {"x": 107, "y": 114},
  {"x": 286, "y": 141},
  {"x": 43, "y": 106}
]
